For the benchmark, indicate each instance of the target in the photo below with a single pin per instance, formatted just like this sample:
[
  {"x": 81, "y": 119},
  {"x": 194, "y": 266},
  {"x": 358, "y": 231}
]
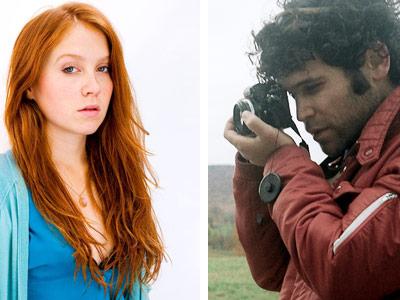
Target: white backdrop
[{"x": 161, "y": 46}]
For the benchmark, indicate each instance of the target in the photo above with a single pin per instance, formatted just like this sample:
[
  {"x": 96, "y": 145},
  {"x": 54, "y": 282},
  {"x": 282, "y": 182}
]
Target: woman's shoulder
[{"x": 8, "y": 173}]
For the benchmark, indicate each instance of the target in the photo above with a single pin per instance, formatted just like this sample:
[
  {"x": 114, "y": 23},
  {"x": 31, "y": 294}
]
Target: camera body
[{"x": 266, "y": 100}]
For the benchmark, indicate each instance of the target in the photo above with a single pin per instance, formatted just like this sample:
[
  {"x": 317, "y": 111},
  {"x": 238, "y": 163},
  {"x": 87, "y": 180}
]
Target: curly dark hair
[{"x": 336, "y": 31}]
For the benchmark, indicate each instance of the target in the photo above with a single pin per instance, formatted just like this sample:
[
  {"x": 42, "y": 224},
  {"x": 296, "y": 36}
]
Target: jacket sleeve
[
  {"x": 349, "y": 255},
  {"x": 14, "y": 232},
  {"x": 265, "y": 252},
  {"x": 6, "y": 245},
  {"x": 139, "y": 291}
]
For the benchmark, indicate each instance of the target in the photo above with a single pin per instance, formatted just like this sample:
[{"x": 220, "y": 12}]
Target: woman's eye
[
  {"x": 70, "y": 69},
  {"x": 104, "y": 69}
]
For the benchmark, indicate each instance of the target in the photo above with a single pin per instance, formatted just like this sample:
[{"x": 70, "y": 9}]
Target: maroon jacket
[{"x": 328, "y": 241}]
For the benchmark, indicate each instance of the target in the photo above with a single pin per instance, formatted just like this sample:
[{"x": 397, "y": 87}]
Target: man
[{"x": 333, "y": 231}]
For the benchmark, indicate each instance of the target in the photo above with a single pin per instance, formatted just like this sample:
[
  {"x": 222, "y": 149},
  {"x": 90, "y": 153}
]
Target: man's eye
[
  {"x": 104, "y": 69},
  {"x": 312, "y": 88},
  {"x": 70, "y": 69}
]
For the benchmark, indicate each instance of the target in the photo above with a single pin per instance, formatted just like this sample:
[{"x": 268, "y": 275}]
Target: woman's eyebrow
[{"x": 80, "y": 57}]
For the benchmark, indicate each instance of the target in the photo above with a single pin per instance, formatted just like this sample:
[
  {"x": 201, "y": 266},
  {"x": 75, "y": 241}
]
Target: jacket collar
[{"x": 373, "y": 135}]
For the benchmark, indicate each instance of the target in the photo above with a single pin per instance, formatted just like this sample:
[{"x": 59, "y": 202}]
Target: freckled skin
[{"x": 69, "y": 83}]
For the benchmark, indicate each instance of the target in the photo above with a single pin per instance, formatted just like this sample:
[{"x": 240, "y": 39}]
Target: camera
[{"x": 266, "y": 100}]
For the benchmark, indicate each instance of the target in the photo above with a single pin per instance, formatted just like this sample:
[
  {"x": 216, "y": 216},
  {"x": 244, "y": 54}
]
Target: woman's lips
[{"x": 90, "y": 111}]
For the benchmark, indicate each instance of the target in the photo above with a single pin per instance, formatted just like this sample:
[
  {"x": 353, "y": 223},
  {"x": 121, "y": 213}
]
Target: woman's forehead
[{"x": 81, "y": 42}]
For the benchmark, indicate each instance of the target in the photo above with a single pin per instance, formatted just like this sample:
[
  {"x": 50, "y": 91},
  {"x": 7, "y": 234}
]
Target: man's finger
[
  {"x": 236, "y": 139},
  {"x": 240, "y": 142},
  {"x": 259, "y": 127},
  {"x": 229, "y": 130},
  {"x": 229, "y": 125}
]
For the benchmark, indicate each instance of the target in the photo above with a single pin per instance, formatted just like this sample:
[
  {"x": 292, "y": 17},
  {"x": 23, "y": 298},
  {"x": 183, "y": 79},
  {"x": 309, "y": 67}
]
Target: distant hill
[
  {"x": 220, "y": 183},
  {"x": 221, "y": 210},
  {"x": 220, "y": 194}
]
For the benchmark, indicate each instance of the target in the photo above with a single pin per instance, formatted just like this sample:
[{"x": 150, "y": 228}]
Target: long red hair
[{"x": 117, "y": 158}]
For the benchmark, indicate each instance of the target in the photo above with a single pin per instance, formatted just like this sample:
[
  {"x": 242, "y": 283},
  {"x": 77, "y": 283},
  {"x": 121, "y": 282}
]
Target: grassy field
[{"x": 229, "y": 278}]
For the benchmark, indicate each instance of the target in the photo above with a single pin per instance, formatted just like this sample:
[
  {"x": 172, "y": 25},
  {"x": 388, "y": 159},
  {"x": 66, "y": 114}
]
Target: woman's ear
[
  {"x": 29, "y": 94},
  {"x": 377, "y": 62}
]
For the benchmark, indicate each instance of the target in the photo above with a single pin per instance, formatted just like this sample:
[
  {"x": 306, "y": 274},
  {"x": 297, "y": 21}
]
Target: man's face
[{"x": 327, "y": 105}]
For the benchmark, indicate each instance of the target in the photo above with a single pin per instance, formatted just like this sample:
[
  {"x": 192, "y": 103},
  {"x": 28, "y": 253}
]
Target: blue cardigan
[{"x": 14, "y": 234}]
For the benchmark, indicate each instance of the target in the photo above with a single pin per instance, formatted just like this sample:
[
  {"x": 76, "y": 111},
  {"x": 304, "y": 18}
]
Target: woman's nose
[{"x": 91, "y": 85}]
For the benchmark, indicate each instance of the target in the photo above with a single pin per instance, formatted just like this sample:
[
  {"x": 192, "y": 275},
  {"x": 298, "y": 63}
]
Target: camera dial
[
  {"x": 241, "y": 106},
  {"x": 268, "y": 102}
]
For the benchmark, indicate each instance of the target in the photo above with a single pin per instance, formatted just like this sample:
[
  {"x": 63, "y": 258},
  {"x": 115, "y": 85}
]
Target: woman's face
[{"x": 75, "y": 87}]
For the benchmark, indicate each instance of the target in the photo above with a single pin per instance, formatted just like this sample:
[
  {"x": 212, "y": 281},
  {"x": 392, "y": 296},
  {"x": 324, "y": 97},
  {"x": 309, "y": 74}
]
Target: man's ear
[{"x": 377, "y": 62}]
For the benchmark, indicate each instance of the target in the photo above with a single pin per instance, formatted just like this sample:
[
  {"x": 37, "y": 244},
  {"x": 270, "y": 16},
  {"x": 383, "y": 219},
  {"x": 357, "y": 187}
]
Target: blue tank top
[{"x": 51, "y": 265}]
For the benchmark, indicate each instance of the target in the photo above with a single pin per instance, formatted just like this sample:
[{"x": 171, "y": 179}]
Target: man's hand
[{"x": 256, "y": 149}]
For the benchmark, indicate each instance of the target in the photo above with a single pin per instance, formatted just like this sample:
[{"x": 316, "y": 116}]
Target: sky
[
  {"x": 230, "y": 24},
  {"x": 161, "y": 45}
]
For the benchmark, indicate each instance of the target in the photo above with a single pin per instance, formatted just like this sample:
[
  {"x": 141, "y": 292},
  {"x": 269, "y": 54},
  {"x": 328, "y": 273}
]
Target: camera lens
[{"x": 241, "y": 106}]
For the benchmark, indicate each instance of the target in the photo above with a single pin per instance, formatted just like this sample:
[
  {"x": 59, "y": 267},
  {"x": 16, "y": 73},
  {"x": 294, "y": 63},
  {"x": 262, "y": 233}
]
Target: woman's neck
[{"x": 68, "y": 150}]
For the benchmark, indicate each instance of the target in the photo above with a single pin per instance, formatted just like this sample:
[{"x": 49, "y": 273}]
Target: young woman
[{"x": 76, "y": 220}]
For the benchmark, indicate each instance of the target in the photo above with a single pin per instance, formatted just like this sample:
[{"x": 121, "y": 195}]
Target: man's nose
[{"x": 305, "y": 110}]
